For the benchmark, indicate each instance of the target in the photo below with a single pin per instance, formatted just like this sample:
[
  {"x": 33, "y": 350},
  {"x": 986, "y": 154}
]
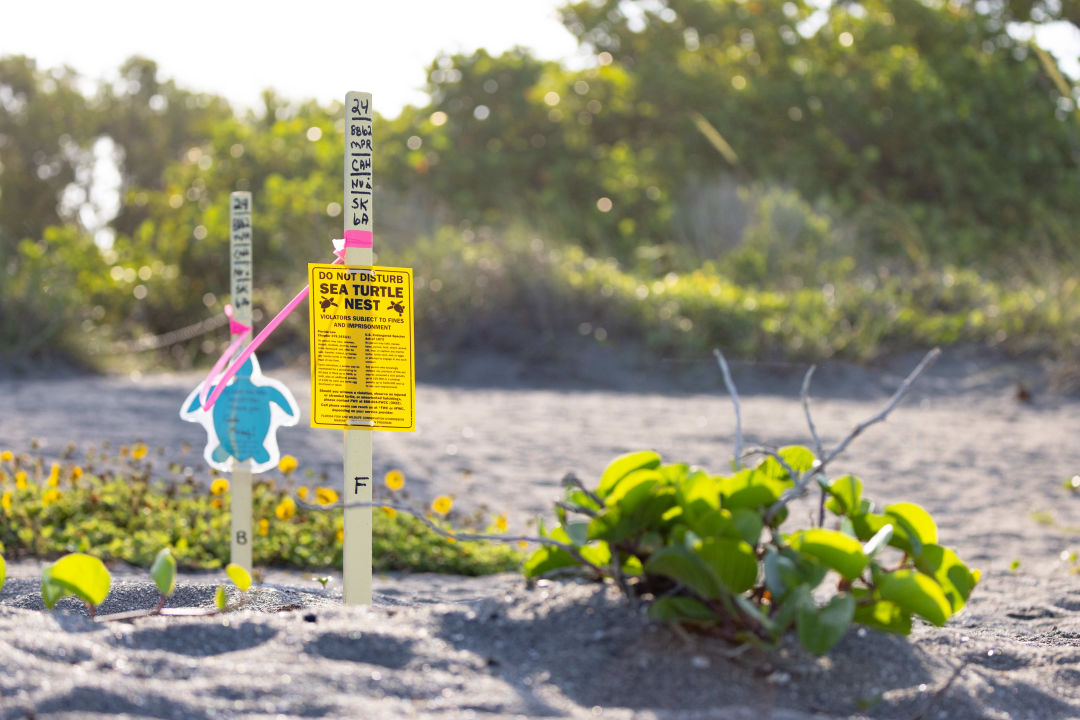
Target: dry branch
[
  {"x": 730, "y": 384},
  {"x": 803, "y": 479}
]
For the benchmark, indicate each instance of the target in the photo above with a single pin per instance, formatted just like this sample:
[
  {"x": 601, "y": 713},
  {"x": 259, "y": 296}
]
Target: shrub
[
  {"x": 118, "y": 510},
  {"x": 710, "y": 550}
]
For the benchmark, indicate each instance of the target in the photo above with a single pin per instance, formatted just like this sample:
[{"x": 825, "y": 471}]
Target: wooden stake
[
  {"x": 359, "y": 196},
  {"x": 240, "y": 271}
]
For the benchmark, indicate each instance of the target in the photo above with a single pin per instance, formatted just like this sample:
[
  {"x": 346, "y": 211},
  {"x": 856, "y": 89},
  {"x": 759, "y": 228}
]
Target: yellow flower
[
  {"x": 285, "y": 509},
  {"x": 390, "y": 512},
  {"x": 523, "y": 544},
  {"x": 395, "y": 479},
  {"x": 287, "y": 464},
  {"x": 20, "y": 480},
  {"x": 501, "y": 524},
  {"x": 341, "y": 536},
  {"x": 442, "y": 504},
  {"x": 264, "y": 527},
  {"x": 138, "y": 451},
  {"x": 302, "y": 491},
  {"x": 325, "y": 496},
  {"x": 76, "y": 472},
  {"x": 5, "y": 500},
  {"x": 220, "y": 485},
  {"x": 124, "y": 450},
  {"x": 451, "y": 540},
  {"x": 50, "y": 497},
  {"x": 216, "y": 503},
  {"x": 54, "y": 476},
  {"x": 7, "y": 456}
]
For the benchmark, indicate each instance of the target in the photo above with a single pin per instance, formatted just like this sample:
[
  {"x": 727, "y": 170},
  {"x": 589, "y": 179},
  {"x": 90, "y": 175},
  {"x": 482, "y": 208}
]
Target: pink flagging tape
[
  {"x": 233, "y": 347},
  {"x": 239, "y": 330},
  {"x": 353, "y": 238},
  {"x": 253, "y": 345},
  {"x": 359, "y": 238}
]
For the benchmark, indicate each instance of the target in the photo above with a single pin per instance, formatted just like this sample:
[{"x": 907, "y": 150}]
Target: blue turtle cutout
[{"x": 243, "y": 423}]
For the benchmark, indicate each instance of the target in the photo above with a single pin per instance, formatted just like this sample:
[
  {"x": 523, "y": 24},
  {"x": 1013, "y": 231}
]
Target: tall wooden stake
[
  {"x": 359, "y": 197},
  {"x": 240, "y": 272}
]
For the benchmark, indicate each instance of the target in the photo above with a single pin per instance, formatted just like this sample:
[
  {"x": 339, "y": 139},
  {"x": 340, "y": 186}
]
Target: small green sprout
[
  {"x": 1014, "y": 565},
  {"x": 78, "y": 574},
  {"x": 163, "y": 573},
  {"x": 323, "y": 579},
  {"x": 240, "y": 577},
  {"x": 50, "y": 591}
]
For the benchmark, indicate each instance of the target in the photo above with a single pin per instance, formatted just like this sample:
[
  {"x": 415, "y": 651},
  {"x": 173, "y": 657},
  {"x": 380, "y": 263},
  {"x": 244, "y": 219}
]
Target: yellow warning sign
[{"x": 363, "y": 368}]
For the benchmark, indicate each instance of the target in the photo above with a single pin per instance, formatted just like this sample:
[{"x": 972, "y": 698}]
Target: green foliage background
[{"x": 779, "y": 178}]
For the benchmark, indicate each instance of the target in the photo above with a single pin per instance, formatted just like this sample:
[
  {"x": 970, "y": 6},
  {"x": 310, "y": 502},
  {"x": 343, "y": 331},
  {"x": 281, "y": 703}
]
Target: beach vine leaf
[
  {"x": 820, "y": 628},
  {"x": 240, "y": 577},
  {"x": 163, "y": 572},
  {"x": 77, "y": 574},
  {"x": 51, "y": 592}
]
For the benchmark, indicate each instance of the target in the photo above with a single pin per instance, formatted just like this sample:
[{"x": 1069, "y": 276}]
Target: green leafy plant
[
  {"x": 712, "y": 551},
  {"x": 220, "y": 599},
  {"x": 79, "y": 575},
  {"x": 125, "y": 503},
  {"x": 241, "y": 578},
  {"x": 86, "y": 577},
  {"x": 163, "y": 573}
]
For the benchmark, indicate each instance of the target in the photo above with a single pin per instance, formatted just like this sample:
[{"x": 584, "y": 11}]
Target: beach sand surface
[{"x": 500, "y": 436}]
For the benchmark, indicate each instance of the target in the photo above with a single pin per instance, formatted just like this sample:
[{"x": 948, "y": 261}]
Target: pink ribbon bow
[{"x": 353, "y": 239}]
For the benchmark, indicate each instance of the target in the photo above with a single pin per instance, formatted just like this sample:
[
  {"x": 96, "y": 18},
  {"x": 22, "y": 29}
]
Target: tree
[
  {"x": 152, "y": 124},
  {"x": 935, "y": 111},
  {"x": 46, "y": 130}
]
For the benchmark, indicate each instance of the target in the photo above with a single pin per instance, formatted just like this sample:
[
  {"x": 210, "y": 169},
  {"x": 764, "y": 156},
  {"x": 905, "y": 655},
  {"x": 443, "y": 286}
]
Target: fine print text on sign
[{"x": 362, "y": 359}]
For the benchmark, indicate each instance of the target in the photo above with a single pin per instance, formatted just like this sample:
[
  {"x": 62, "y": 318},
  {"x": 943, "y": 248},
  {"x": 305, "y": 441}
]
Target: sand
[{"x": 986, "y": 465}]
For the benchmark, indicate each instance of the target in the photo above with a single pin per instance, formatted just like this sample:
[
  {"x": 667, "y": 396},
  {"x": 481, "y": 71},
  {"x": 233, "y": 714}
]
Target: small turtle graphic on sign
[{"x": 399, "y": 306}]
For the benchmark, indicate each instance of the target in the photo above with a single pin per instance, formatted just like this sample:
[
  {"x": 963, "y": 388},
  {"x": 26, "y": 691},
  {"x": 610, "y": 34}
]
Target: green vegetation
[
  {"x": 710, "y": 552},
  {"x": 114, "y": 508},
  {"x": 552, "y": 291},
  {"x": 77, "y": 574},
  {"x": 780, "y": 178},
  {"x": 85, "y": 577}
]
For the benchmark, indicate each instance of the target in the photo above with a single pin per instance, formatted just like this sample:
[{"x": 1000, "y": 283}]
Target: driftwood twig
[{"x": 730, "y": 384}]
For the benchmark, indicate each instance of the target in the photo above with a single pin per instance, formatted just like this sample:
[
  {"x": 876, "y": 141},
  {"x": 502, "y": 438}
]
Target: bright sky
[
  {"x": 306, "y": 48},
  {"x": 303, "y": 49}
]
